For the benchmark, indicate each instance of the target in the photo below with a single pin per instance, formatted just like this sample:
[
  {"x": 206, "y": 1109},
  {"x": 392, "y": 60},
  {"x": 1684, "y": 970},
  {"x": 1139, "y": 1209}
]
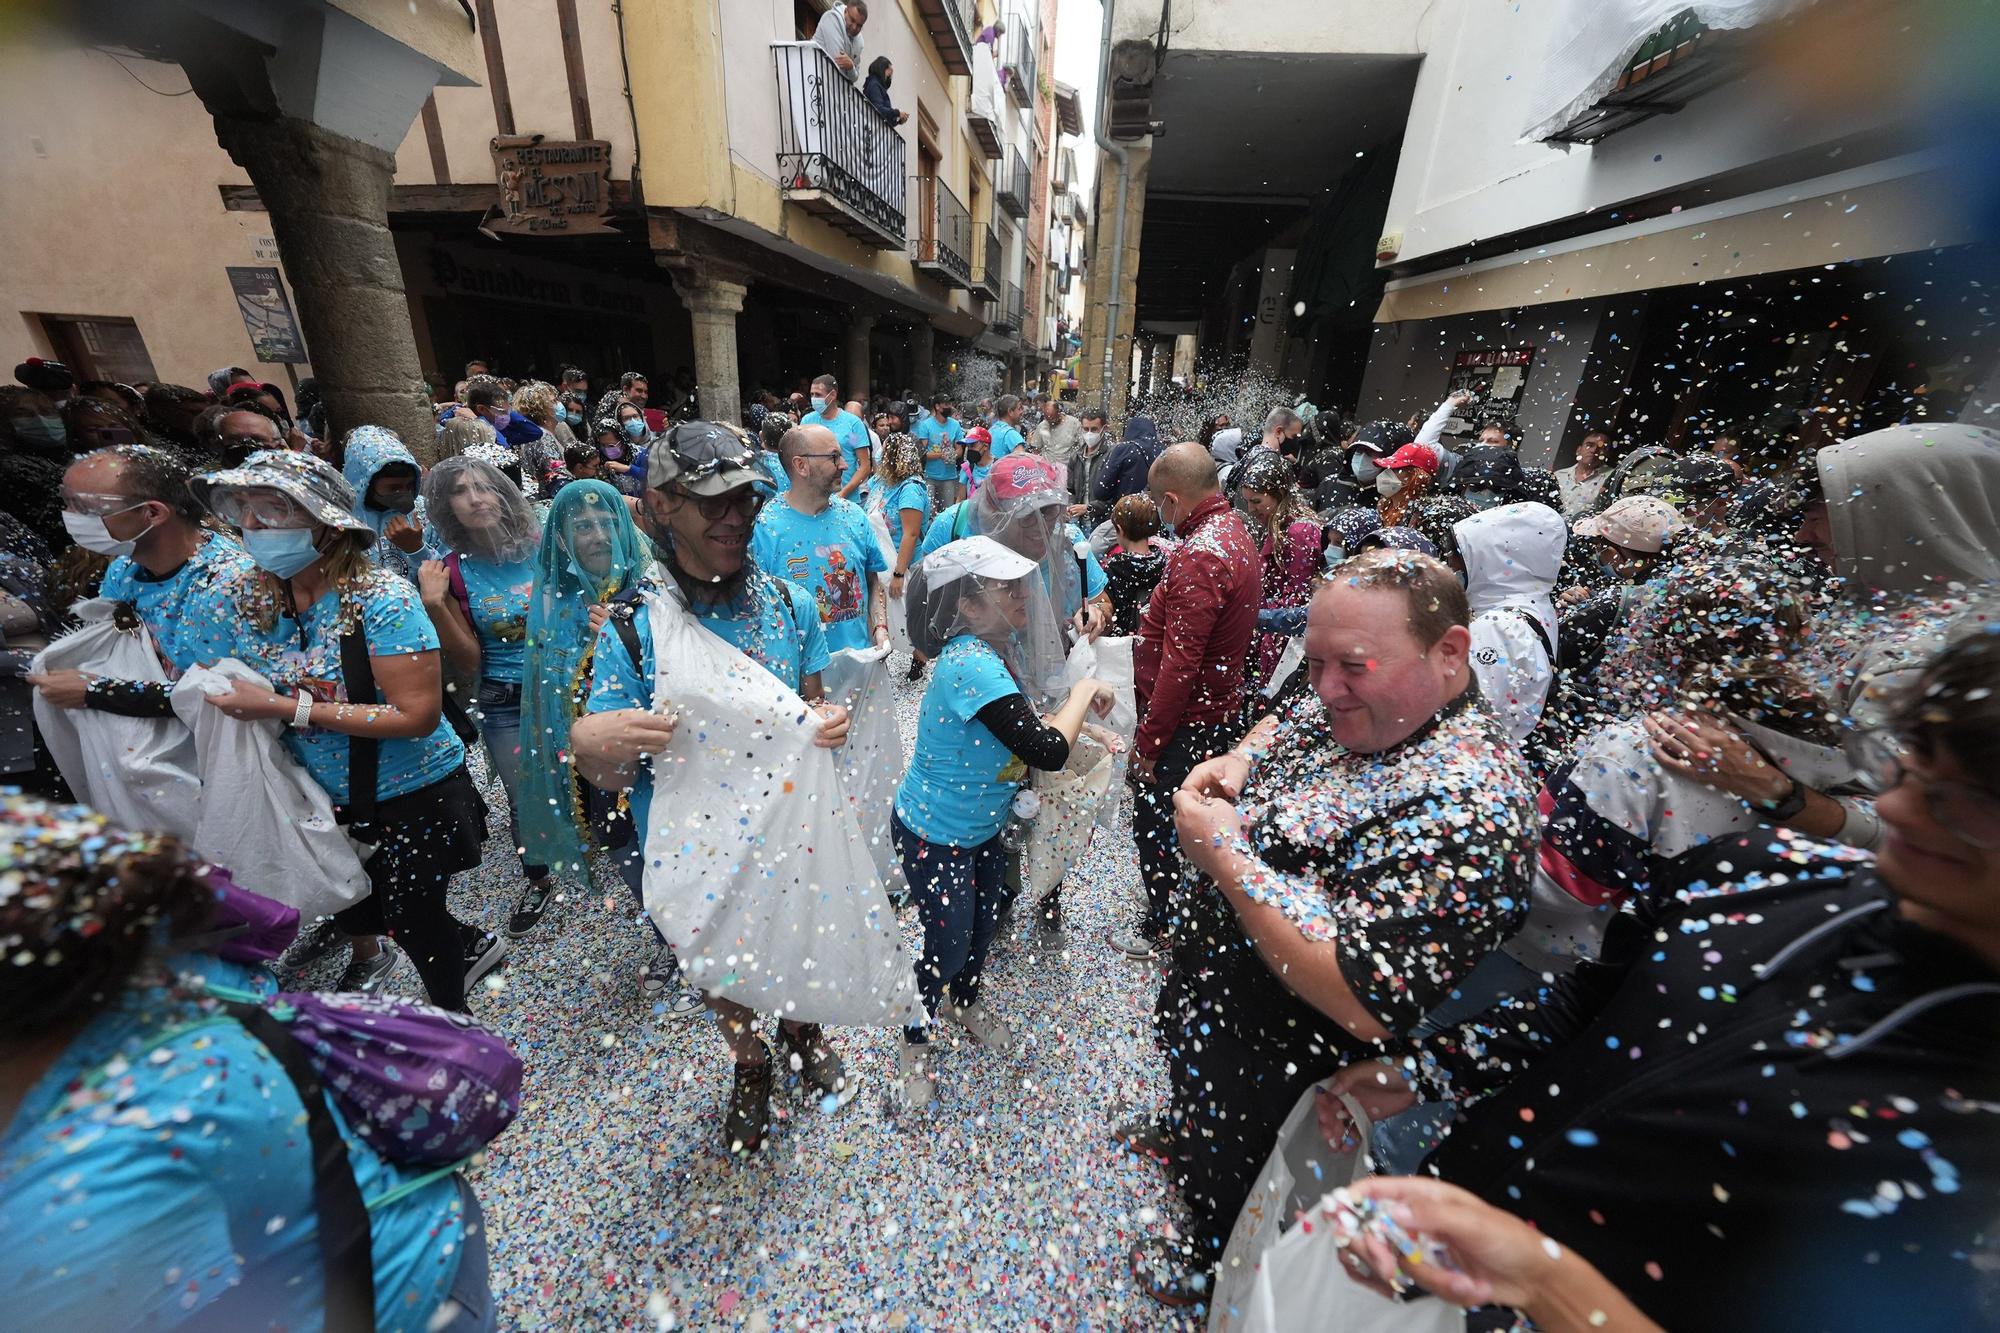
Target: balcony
[
  {"x": 1011, "y": 190},
  {"x": 952, "y": 24},
  {"x": 1017, "y": 65},
  {"x": 942, "y": 246},
  {"x": 1007, "y": 310},
  {"x": 836, "y": 157},
  {"x": 986, "y": 273}
]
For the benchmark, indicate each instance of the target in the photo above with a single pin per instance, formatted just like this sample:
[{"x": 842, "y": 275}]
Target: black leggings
[{"x": 426, "y": 836}]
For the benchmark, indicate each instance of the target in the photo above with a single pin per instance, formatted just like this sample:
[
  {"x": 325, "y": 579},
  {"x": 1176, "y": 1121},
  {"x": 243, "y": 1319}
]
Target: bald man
[{"x": 1194, "y": 636}]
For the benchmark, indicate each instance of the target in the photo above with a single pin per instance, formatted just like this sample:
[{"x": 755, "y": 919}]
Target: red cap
[
  {"x": 1413, "y": 455},
  {"x": 979, "y": 435},
  {"x": 1017, "y": 475}
]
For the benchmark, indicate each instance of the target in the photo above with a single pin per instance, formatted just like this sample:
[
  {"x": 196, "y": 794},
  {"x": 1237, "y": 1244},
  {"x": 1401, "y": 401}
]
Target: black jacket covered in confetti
[{"x": 1781, "y": 1110}]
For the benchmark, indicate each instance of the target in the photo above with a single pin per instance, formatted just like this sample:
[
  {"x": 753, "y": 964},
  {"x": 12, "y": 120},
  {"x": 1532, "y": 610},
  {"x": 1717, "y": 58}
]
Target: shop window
[{"x": 101, "y": 348}]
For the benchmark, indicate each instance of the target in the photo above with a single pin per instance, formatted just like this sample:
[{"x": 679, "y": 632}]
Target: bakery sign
[{"x": 551, "y": 186}]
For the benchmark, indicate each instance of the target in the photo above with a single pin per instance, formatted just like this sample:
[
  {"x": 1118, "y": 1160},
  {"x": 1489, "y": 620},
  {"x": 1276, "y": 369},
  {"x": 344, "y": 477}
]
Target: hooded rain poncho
[
  {"x": 1512, "y": 555},
  {"x": 367, "y": 450}
]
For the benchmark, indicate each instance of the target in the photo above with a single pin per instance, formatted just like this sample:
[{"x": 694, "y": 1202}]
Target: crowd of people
[{"x": 1610, "y": 853}]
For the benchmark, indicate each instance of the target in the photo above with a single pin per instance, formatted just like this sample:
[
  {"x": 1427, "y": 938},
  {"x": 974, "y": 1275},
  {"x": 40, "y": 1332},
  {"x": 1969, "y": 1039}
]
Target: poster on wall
[
  {"x": 267, "y": 315},
  {"x": 1495, "y": 377}
]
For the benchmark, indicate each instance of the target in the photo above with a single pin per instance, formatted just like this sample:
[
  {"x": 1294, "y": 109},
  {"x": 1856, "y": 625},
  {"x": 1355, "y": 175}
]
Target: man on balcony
[{"x": 839, "y": 35}]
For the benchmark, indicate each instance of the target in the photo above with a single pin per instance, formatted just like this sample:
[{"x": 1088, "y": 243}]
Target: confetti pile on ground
[{"x": 1005, "y": 1207}]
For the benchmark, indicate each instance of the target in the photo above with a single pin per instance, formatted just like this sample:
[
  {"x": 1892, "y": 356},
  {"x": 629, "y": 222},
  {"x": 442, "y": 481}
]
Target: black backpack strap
[
  {"x": 347, "y": 1259},
  {"x": 1541, "y": 635},
  {"x": 364, "y": 753},
  {"x": 624, "y": 607}
]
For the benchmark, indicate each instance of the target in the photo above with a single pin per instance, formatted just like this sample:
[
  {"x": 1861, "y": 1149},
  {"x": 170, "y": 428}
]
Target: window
[{"x": 101, "y": 348}]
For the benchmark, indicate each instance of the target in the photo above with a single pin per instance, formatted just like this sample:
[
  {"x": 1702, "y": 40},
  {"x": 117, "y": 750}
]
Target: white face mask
[
  {"x": 1388, "y": 483},
  {"x": 89, "y": 532},
  {"x": 1093, "y": 438},
  {"x": 1364, "y": 467}
]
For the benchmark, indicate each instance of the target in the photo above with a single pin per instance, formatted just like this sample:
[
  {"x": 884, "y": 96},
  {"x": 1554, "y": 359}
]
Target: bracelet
[
  {"x": 1788, "y": 807},
  {"x": 302, "y": 714}
]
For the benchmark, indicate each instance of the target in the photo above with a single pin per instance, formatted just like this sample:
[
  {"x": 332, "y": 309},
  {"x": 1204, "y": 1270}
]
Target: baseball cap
[
  {"x": 1019, "y": 475},
  {"x": 705, "y": 457},
  {"x": 1637, "y": 523},
  {"x": 974, "y": 555},
  {"x": 1383, "y": 437},
  {"x": 1413, "y": 455}
]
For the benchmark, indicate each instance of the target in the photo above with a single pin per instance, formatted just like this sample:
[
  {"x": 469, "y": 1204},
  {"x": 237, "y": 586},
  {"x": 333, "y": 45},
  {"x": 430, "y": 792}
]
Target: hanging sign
[
  {"x": 551, "y": 186},
  {"x": 267, "y": 315}
]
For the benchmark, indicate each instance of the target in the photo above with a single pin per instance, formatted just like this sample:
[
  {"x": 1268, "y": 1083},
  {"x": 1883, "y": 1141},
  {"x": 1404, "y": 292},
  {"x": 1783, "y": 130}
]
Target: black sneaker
[
  {"x": 314, "y": 942},
  {"x": 817, "y": 1066},
  {"x": 367, "y": 974},
  {"x": 482, "y": 956},
  {"x": 749, "y": 1115},
  {"x": 917, "y": 665},
  {"x": 535, "y": 900}
]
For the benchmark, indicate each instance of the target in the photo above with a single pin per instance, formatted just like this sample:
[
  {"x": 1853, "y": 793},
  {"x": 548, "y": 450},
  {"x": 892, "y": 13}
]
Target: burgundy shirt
[{"x": 1192, "y": 640}]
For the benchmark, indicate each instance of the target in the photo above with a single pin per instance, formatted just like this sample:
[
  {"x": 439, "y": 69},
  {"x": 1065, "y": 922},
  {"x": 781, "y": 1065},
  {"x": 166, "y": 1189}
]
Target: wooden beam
[
  {"x": 496, "y": 68},
  {"x": 465, "y": 198},
  {"x": 572, "y": 46},
  {"x": 434, "y": 139}
]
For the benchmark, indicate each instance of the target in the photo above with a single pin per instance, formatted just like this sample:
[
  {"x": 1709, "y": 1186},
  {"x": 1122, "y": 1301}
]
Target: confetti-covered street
[{"x": 1007, "y": 1207}]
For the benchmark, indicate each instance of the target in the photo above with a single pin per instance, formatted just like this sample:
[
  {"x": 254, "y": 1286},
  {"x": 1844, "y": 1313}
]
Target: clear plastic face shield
[
  {"x": 477, "y": 510},
  {"x": 1010, "y": 612}
]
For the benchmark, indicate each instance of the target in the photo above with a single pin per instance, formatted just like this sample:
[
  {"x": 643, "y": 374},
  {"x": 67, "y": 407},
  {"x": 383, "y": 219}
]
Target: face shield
[
  {"x": 980, "y": 588},
  {"x": 1024, "y": 506},
  {"x": 475, "y": 509}
]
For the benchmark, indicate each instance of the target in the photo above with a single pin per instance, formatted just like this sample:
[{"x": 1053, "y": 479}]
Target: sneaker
[
  {"x": 1164, "y": 1270},
  {"x": 482, "y": 956},
  {"x": 1146, "y": 1135},
  {"x": 917, "y": 665},
  {"x": 749, "y": 1115},
  {"x": 916, "y": 1083},
  {"x": 367, "y": 974},
  {"x": 535, "y": 900},
  {"x": 314, "y": 943},
  {"x": 1049, "y": 924},
  {"x": 817, "y": 1065},
  {"x": 660, "y": 979},
  {"x": 1133, "y": 944},
  {"x": 984, "y": 1029}
]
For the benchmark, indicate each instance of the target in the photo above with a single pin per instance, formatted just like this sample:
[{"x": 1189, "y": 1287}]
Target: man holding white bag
[{"x": 701, "y": 502}]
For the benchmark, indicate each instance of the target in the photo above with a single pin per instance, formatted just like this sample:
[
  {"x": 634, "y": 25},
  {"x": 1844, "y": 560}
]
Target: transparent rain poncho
[
  {"x": 478, "y": 513},
  {"x": 977, "y": 586},
  {"x": 1024, "y": 506}
]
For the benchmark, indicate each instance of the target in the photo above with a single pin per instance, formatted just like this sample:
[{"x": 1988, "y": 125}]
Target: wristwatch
[
  {"x": 302, "y": 714},
  {"x": 1789, "y": 807}
]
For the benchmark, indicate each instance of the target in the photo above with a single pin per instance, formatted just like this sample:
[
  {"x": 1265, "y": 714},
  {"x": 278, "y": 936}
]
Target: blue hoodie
[{"x": 369, "y": 449}]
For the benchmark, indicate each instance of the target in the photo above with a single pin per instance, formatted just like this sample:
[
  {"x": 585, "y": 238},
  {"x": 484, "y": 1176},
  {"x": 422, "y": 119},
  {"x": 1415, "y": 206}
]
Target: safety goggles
[
  {"x": 271, "y": 509},
  {"x": 97, "y": 503}
]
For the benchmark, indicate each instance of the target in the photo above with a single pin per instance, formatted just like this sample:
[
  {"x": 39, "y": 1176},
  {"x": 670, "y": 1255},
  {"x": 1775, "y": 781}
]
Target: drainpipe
[{"x": 1118, "y": 154}]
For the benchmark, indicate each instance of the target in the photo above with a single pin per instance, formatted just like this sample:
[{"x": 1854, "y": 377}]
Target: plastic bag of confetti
[
  {"x": 871, "y": 763},
  {"x": 899, "y": 625},
  {"x": 1068, "y": 807},
  {"x": 756, "y": 871},
  {"x": 1110, "y": 661},
  {"x": 138, "y": 772},
  {"x": 262, "y": 815},
  {"x": 1301, "y": 1169}
]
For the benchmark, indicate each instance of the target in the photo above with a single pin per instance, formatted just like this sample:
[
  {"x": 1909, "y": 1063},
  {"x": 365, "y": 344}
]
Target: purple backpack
[{"x": 422, "y": 1085}]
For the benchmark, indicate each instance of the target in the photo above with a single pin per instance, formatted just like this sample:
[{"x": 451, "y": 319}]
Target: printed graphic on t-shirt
[{"x": 840, "y": 593}]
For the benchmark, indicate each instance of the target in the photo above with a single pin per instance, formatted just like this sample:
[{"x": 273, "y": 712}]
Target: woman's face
[
  {"x": 627, "y": 412},
  {"x": 474, "y": 503},
  {"x": 997, "y": 608},
  {"x": 1261, "y": 505},
  {"x": 1934, "y": 870},
  {"x": 590, "y": 542}
]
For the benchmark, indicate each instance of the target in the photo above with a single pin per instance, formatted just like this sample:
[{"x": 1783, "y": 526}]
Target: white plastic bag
[
  {"x": 755, "y": 868},
  {"x": 871, "y": 763},
  {"x": 1110, "y": 660},
  {"x": 1069, "y": 799},
  {"x": 899, "y": 628},
  {"x": 262, "y": 815},
  {"x": 138, "y": 772},
  {"x": 1302, "y": 1287}
]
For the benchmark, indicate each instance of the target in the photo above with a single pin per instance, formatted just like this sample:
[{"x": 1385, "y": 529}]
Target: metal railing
[
  {"x": 1007, "y": 317},
  {"x": 963, "y": 18},
  {"x": 986, "y": 273},
  {"x": 831, "y": 142},
  {"x": 1019, "y": 62},
  {"x": 944, "y": 237},
  {"x": 1010, "y": 191}
]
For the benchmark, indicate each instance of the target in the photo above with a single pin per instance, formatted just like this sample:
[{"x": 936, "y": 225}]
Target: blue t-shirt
[
  {"x": 961, "y": 778},
  {"x": 934, "y": 433},
  {"x": 831, "y": 555},
  {"x": 164, "y": 603},
  {"x": 294, "y": 657},
  {"x": 1006, "y": 439},
  {"x": 955, "y": 523},
  {"x": 785, "y": 641},
  {"x": 499, "y": 595},
  {"x": 139, "y": 1181},
  {"x": 774, "y": 468},
  {"x": 910, "y": 493},
  {"x": 850, "y": 432}
]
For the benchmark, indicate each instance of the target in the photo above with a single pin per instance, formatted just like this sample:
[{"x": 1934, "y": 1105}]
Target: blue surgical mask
[
  {"x": 636, "y": 428},
  {"x": 819, "y": 405},
  {"x": 40, "y": 431},
  {"x": 280, "y": 551},
  {"x": 1364, "y": 467}
]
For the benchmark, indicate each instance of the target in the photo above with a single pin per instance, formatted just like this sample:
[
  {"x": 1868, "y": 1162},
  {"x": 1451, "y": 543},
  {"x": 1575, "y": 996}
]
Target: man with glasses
[
  {"x": 234, "y": 433},
  {"x": 132, "y": 503},
  {"x": 824, "y": 543},
  {"x": 702, "y": 497}
]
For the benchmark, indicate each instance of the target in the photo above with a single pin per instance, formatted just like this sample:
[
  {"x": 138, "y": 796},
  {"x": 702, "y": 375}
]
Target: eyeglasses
[
  {"x": 746, "y": 502},
  {"x": 271, "y": 509},
  {"x": 1971, "y": 814}
]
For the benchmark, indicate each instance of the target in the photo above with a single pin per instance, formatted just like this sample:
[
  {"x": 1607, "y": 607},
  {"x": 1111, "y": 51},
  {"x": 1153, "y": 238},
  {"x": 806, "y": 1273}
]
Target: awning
[{"x": 1884, "y": 209}]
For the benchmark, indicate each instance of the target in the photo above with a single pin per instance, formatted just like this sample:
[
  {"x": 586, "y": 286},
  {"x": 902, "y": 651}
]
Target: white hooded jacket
[{"x": 1512, "y": 555}]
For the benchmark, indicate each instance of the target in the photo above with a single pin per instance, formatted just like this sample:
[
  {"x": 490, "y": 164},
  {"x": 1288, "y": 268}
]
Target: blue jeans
[
  {"x": 468, "y": 1307},
  {"x": 500, "y": 728},
  {"x": 958, "y": 892}
]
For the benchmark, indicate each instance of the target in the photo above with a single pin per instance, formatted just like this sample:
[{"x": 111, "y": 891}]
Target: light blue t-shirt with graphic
[
  {"x": 961, "y": 779},
  {"x": 910, "y": 493},
  {"x": 849, "y": 432},
  {"x": 832, "y": 555},
  {"x": 782, "y": 637},
  {"x": 934, "y": 432},
  {"x": 499, "y": 596}
]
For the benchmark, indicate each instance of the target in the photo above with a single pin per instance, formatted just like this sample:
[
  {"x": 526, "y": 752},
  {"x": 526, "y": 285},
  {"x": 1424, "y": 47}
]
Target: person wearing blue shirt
[
  {"x": 857, "y": 461},
  {"x": 290, "y": 619},
  {"x": 155, "y": 1165},
  {"x": 386, "y": 480},
  {"x": 702, "y": 496},
  {"x": 477, "y": 597},
  {"x": 824, "y": 543},
  {"x": 1006, "y": 427},
  {"x": 978, "y": 734},
  {"x": 995, "y": 510},
  {"x": 131, "y": 502},
  {"x": 941, "y": 433}
]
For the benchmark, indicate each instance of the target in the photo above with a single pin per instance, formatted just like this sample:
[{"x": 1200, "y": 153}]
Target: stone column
[
  {"x": 328, "y": 197},
  {"x": 854, "y": 375},
  {"x": 923, "y": 364},
  {"x": 713, "y": 302}
]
